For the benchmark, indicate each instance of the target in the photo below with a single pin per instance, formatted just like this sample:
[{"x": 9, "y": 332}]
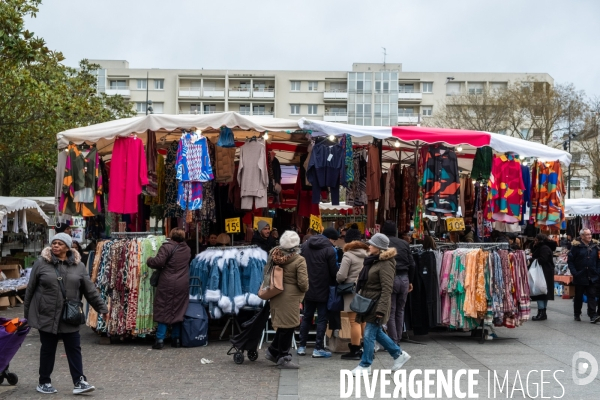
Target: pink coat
[{"x": 128, "y": 173}]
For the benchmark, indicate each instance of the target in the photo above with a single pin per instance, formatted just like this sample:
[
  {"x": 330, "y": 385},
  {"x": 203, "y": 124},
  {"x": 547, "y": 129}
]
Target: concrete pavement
[{"x": 133, "y": 371}]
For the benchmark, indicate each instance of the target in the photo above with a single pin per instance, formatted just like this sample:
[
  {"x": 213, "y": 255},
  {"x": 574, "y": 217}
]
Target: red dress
[{"x": 128, "y": 173}]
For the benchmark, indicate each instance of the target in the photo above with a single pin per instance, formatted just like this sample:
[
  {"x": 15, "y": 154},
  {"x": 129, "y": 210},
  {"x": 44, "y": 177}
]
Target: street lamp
[
  {"x": 567, "y": 147},
  {"x": 149, "y": 108}
]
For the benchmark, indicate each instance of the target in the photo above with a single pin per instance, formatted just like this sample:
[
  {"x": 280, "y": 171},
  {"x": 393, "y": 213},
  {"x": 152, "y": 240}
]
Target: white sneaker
[
  {"x": 83, "y": 387},
  {"x": 359, "y": 371},
  {"x": 400, "y": 361}
]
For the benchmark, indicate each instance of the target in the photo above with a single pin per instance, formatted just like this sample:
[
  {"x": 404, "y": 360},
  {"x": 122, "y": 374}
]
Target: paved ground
[{"x": 132, "y": 371}]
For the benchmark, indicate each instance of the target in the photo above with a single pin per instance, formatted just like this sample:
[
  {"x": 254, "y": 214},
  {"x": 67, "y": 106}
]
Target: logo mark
[{"x": 581, "y": 363}]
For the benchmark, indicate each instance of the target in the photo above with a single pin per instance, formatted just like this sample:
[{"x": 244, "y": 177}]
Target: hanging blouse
[
  {"x": 547, "y": 195},
  {"x": 128, "y": 173},
  {"x": 441, "y": 182},
  {"x": 193, "y": 167},
  {"x": 505, "y": 190},
  {"x": 82, "y": 183},
  {"x": 172, "y": 210}
]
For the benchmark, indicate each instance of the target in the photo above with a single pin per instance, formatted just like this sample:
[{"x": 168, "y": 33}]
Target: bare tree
[{"x": 589, "y": 141}]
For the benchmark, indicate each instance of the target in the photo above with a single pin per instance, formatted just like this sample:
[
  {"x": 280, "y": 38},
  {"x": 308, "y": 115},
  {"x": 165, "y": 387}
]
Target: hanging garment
[
  {"x": 60, "y": 176},
  {"x": 505, "y": 189},
  {"x": 324, "y": 169},
  {"x": 82, "y": 183},
  {"x": 252, "y": 174},
  {"x": 226, "y": 138},
  {"x": 23, "y": 221},
  {"x": 128, "y": 173},
  {"x": 482, "y": 164},
  {"x": 547, "y": 196},
  {"x": 373, "y": 183},
  {"x": 526, "y": 193},
  {"x": 348, "y": 161},
  {"x": 469, "y": 194},
  {"x": 193, "y": 167},
  {"x": 440, "y": 181},
  {"x": 356, "y": 193},
  {"x": 151, "y": 189},
  {"x": 172, "y": 208},
  {"x": 224, "y": 164},
  {"x": 208, "y": 210}
]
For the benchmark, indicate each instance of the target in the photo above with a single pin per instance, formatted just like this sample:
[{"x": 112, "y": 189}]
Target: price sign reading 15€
[
  {"x": 232, "y": 225},
  {"x": 455, "y": 224}
]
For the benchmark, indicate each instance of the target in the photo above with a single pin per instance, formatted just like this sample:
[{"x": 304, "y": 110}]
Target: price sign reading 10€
[
  {"x": 455, "y": 224},
  {"x": 232, "y": 225}
]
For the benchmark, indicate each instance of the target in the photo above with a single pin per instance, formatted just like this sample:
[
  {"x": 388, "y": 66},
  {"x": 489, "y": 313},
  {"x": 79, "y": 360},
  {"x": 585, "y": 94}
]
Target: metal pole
[
  {"x": 569, "y": 168},
  {"x": 146, "y": 93}
]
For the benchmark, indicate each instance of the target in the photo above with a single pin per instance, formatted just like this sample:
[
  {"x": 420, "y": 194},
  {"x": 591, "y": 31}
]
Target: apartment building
[{"x": 369, "y": 94}]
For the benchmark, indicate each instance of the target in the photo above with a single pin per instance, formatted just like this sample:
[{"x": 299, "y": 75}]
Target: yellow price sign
[
  {"x": 315, "y": 223},
  {"x": 455, "y": 224},
  {"x": 232, "y": 225},
  {"x": 266, "y": 219}
]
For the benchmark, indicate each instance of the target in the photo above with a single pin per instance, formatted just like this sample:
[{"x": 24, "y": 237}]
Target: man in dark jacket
[
  {"x": 262, "y": 237},
  {"x": 584, "y": 264},
  {"x": 405, "y": 271},
  {"x": 321, "y": 264}
]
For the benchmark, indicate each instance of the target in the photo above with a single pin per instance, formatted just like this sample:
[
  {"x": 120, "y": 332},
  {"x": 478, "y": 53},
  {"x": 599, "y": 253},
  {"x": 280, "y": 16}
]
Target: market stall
[{"x": 192, "y": 171}]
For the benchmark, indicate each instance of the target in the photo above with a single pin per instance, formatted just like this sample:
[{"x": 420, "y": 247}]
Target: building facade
[{"x": 369, "y": 94}]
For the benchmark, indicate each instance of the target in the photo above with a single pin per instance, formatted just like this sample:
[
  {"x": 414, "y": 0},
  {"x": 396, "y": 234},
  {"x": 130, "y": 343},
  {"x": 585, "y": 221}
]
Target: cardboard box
[
  {"x": 569, "y": 290},
  {"x": 11, "y": 271},
  {"x": 4, "y": 302},
  {"x": 338, "y": 345}
]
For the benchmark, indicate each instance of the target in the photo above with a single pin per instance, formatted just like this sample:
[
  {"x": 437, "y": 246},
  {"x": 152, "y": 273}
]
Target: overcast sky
[{"x": 560, "y": 37}]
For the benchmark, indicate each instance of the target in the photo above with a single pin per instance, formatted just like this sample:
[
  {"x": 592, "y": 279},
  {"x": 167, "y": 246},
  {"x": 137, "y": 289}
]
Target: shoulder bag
[
  {"x": 346, "y": 288},
  {"x": 72, "y": 312},
  {"x": 156, "y": 274},
  {"x": 362, "y": 305},
  {"x": 274, "y": 286}
]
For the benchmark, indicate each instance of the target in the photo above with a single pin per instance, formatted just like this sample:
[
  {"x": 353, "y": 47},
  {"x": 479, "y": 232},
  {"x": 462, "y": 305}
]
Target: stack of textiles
[
  {"x": 122, "y": 277},
  {"x": 477, "y": 284},
  {"x": 230, "y": 278}
]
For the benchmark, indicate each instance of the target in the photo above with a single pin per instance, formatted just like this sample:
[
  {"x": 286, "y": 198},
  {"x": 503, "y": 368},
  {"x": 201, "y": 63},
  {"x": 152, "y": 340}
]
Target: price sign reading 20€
[{"x": 232, "y": 225}]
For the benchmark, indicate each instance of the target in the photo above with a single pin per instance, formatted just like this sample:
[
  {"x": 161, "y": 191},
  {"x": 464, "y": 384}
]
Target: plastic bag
[{"x": 537, "y": 282}]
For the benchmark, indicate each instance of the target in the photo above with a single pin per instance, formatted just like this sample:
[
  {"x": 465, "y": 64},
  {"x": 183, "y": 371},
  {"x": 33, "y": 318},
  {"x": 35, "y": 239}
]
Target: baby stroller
[
  {"x": 12, "y": 335},
  {"x": 250, "y": 336}
]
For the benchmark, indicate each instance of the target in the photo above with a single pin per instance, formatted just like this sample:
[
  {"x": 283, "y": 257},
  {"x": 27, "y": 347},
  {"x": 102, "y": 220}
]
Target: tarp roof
[
  {"x": 9, "y": 205},
  {"x": 582, "y": 207}
]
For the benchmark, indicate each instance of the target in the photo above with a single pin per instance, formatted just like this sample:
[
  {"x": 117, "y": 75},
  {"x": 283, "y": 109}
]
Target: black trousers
[
  {"x": 281, "y": 344},
  {"x": 590, "y": 292},
  {"x": 335, "y": 320},
  {"x": 72, "y": 342}
]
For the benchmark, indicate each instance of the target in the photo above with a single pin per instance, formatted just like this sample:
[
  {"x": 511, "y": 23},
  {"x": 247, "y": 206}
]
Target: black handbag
[
  {"x": 156, "y": 274},
  {"x": 72, "y": 312},
  {"x": 345, "y": 288},
  {"x": 362, "y": 305}
]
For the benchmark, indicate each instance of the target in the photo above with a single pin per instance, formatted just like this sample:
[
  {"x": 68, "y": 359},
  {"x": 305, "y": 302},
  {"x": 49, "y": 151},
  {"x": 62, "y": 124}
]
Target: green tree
[{"x": 39, "y": 97}]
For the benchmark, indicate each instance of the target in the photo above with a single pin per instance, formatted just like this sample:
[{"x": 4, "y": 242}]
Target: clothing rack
[
  {"x": 132, "y": 234},
  {"x": 485, "y": 246},
  {"x": 250, "y": 246}
]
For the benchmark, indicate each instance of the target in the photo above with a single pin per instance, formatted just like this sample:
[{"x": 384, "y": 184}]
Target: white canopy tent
[
  {"x": 582, "y": 207},
  {"x": 9, "y": 205}
]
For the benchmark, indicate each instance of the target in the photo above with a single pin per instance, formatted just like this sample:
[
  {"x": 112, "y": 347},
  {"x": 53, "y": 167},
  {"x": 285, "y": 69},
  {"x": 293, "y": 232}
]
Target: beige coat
[
  {"x": 352, "y": 262},
  {"x": 379, "y": 284},
  {"x": 285, "y": 307}
]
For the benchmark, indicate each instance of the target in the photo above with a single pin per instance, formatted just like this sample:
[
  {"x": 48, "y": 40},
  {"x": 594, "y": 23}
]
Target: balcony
[
  {"x": 335, "y": 95},
  {"x": 262, "y": 114},
  {"x": 239, "y": 92},
  {"x": 263, "y": 93},
  {"x": 410, "y": 95},
  {"x": 189, "y": 92},
  {"x": 335, "y": 117},
  {"x": 408, "y": 118},
  {"x": 118, "y": 90},
  {"x": 212, "y": 92}
]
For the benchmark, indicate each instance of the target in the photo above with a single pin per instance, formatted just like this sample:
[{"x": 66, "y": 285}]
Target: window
[
  {"x": 338, "y": 87},
  {"x": 312, "y": 109},
  {"x": 452, "y": 88},
  {"x": 576, "y": 158},
  {"x": 295, "y": 109},
  {"x": 158, "y": 108},
  {"x": 118, "y": 85},
  {"x": 476, "y": 87},
  {"x": 498, "y": 86},
  {"x": 313, "y": 86},
  {"x": 524, "y": 133},
  {"x": 525, "y": 87},
  {"x": 195, "y": 85},
  {"x": 210, "y": 86},
  {"x": 142, "y": 84},
  {"x": 575, "y": 183},
  {"x": 537, "y": 134},
  {"x": 258, "y": 110},
  {"x": 244, "y": 86},
  {"x": 140, "y": 107},
  {"x": 195, "y": 108},
  {"x": 502, "y": 132},
  {"x": 406, "y": 111},
  {"x": 427, "y": 111},
  {"x": 245, "y": 109},
  {"x": 159, "y": 84},
  {"x": 427, "y": 87},
  {"x": 210, "y": 108},
  {"x": 406, "y": 88},
  {"x": 338, "y": 110},
  {"x": 295, "y": 86}
]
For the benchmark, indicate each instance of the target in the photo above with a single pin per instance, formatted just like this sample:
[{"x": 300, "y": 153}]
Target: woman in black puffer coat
[{"x": 543, "y": 249}]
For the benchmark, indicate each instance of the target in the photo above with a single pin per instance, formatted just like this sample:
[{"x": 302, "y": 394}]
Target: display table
[{"x": 566, "y": 279}]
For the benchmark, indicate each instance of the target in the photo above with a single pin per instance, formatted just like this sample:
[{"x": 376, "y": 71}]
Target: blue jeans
[
  {"x": 374, "y": 332},
  {"x": 309, "y": 312},
  {"x": 542, "y": 304},
  {"x": 161, "y": 331}
]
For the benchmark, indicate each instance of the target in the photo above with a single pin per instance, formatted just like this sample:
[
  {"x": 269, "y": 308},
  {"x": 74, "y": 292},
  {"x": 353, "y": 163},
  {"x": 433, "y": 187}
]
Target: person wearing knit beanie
[
  {"x": 63, "y": 237},
  {"x": 352, "y": 235},
  {"x": 289, "y": 240}
]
